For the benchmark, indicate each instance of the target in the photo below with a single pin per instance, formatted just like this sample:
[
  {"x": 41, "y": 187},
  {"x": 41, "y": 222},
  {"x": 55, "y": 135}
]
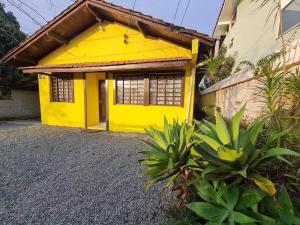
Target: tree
[{"x": 10, "y": 36}]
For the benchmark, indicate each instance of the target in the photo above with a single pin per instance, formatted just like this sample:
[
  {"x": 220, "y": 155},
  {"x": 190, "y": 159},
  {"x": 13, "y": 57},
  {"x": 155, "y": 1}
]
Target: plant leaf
[
  {"x": 250, "y": 197},
  {"x": 235, "y": 126},
  {"x": 210, "y": 141},
  {"x": 265, "y": 220},
  {"x": 231, "y": 196},
  {"x": 221, "y": 129},
  {"x": 264, "y": 184},
  {"x": 206, "y": 210},
  {"x": 242, "y": 218},
  {"x": 286, "y": 211},
  {"x": 280, "y": 152},
  {"x": 242, "y": 172},
  {"x": 229, "y": 155}
]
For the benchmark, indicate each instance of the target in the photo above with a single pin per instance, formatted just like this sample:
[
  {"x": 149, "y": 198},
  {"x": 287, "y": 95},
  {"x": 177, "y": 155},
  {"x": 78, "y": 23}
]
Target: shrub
[
  {"x": 218, "y": 67},
  {"x": 168, "y": 156},
  {"x": 279, "y": 93},
  {"x": 232, "y": 154},
  {"x": 226, "y": 165},
  {"x": 223, "y": 204}
]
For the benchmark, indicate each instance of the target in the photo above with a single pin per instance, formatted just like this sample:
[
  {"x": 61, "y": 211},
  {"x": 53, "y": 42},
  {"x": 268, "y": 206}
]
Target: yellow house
[{"x": 101, "y": 66}]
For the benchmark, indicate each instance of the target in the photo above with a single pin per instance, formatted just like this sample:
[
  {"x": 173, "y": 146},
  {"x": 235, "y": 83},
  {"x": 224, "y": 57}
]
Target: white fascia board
[
  {"x": 224, "y": 23},
  {"x": 284, "y": 3}
]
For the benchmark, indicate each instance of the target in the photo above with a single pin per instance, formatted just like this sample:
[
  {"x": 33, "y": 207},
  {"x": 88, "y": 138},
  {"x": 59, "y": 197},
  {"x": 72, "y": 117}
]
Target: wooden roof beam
[
  {"x": 59, "y": 38},
  {"x": 142, "y": 28},
  {"x": 94, "y": 12},
  {"x": 110, "y": 68},
  {"x": 26, "y": 60}
]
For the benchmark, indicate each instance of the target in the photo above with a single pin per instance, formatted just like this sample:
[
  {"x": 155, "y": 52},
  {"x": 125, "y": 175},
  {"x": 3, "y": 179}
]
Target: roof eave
[{"x": 10, "y": 57}]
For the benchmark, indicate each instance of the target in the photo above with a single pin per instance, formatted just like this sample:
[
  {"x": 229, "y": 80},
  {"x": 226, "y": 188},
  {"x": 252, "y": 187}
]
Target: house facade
[
  {"x": 101, "y": 66},
  {"x": 251, "y": 32}
]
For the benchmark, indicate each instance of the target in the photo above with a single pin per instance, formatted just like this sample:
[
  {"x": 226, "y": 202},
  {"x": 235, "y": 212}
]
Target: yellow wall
[
  {"x": 134, "y": 118},
  {"x": 95, "y": 45},
  {"x": 60, "y": 113}
]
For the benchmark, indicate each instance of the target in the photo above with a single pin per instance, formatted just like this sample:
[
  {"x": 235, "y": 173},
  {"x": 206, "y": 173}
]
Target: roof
[
  {"x": 225, "y": 17},
  {"x": 84, "y": 13},
  {"x": 167, "y": 63}
]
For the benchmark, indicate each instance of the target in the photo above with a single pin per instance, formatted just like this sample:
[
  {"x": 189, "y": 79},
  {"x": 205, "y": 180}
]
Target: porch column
[{"x": 195, "y": 47}]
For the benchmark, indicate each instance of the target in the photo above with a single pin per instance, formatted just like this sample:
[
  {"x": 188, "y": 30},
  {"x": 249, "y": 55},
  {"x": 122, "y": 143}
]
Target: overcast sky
[{"x": 201, "y": 14}]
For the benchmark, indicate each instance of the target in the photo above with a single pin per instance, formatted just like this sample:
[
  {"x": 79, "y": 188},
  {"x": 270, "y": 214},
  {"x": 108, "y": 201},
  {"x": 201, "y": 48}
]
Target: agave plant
[
  {"x": 232, "y": 154},
  {"x": 221, "y": 204},
  {"x": 169, "y": 154},
  {"x": 225, "y": 205}
]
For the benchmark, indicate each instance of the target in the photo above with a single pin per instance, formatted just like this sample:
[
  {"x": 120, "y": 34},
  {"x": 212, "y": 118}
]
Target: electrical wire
[
  {"x": 134, "y": 5},
  {"x": 129, "y": 21},
  {"x": 31, "y": 8},
  {"x": 174, "y": 17},
  {"x": 24, "y": 12},
  {"x": 185, "y": 11}
]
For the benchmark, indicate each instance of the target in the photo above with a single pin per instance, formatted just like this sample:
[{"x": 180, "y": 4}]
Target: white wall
[
  {"x": 230, "y": 94},
  {"x": 253, "y": 36},
  {"x": 22, "y": 104}
]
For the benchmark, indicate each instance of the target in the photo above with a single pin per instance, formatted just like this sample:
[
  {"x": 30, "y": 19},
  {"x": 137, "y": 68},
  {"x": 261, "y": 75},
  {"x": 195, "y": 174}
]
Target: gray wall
[
  {"x": 253, "y": 36},
  {"x": 22, "y": 104}
]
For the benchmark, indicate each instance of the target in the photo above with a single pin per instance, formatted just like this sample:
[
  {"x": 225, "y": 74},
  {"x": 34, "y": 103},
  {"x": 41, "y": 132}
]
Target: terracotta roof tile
[{"x": 111, "y": 63}]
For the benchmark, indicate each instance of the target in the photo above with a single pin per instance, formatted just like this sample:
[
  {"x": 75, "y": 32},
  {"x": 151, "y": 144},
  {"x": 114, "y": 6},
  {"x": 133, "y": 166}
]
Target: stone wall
[
  {"x": 229, "y": 95},
  {"x": 23, "y": 104}
]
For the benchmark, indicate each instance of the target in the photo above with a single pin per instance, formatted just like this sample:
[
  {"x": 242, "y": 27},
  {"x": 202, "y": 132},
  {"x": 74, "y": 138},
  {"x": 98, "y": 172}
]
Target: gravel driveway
[{"x": 54, "y": 175}]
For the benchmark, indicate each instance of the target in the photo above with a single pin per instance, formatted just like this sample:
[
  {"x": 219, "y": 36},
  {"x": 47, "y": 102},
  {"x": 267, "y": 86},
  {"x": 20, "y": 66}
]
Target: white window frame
[{"x": 284, "y": 4}]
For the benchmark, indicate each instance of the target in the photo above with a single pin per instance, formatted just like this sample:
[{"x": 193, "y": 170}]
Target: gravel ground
[{"x": 54, "y": 175}]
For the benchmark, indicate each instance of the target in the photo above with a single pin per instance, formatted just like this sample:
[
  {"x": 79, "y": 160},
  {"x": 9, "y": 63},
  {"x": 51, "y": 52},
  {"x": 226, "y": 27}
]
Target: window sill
[
  {"x": 179, "y": 106},
  {"x": 62, "y": 102}
]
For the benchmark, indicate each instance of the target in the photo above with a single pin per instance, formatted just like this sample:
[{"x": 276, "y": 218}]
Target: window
[
  {"x": 291, "y": 15},
  {"x": 130, "y": 89},
  {"x": 62, "y": 88},
  {"x": 166, "y": 89}
]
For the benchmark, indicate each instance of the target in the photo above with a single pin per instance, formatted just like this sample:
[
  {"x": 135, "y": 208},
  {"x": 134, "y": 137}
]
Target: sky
[{"x": 201, "y": 14}]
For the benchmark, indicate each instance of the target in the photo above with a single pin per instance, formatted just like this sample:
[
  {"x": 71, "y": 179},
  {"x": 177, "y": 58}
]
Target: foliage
[
  {"x": 169, "y": 155},
  {"x": 180, "y": 216},
  {"x": 294, "y": 180},
  {"x": 279, "y": 95},
  {"x": 232, "y": 154},
  {"x": 226, "y": 166},
  {"x": 278, "y": 211},
  {"x": 292, "y": 91},
  {"x": 10, "y": 36},
  {"x": 223, "y": 204},
  {"x": 218, "y": 67}
]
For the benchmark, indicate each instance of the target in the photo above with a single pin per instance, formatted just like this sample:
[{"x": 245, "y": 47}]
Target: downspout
[{"x": 189, "y": 112}]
